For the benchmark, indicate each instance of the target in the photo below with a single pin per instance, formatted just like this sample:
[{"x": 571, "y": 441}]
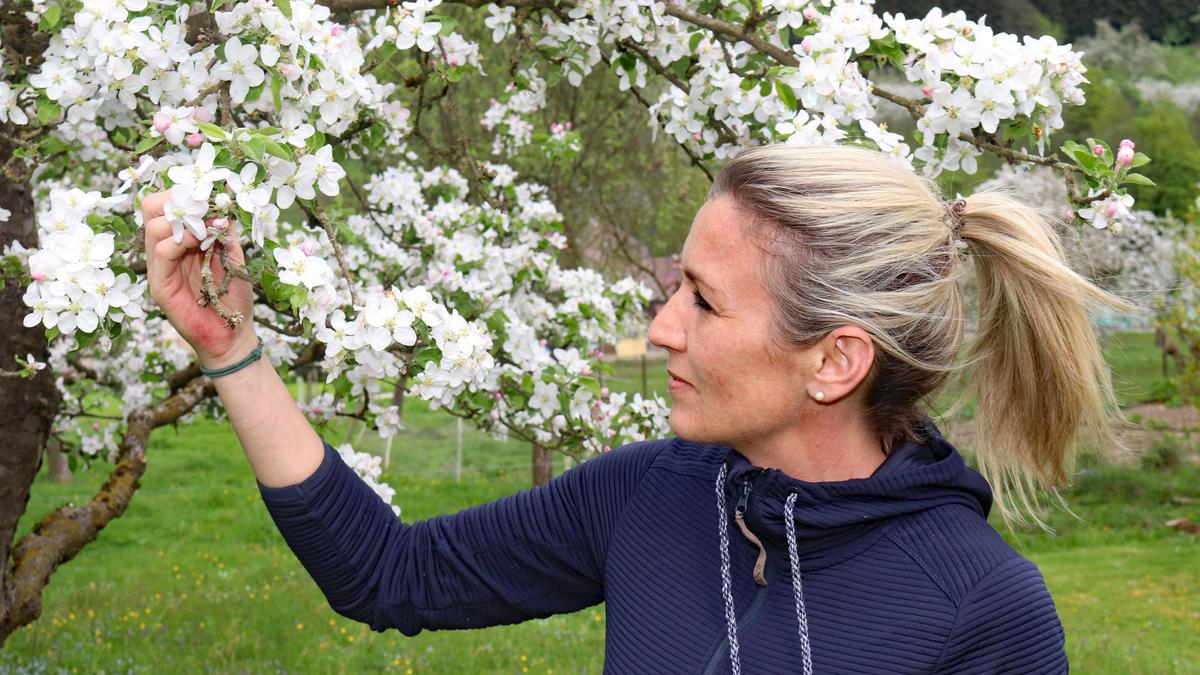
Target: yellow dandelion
[{"x": 299, "y": 626}]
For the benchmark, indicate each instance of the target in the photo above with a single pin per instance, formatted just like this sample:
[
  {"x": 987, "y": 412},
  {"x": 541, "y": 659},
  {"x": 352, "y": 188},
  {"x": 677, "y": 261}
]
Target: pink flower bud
[
  {"x": 162, "y": 122},
  {"x": 219, "y": 223},
  {"x": 495, "y": 414},
  {"x": 696, "y": 135},
  {"x": 194, "y": 140},
  {"x": 336, "y": 30},
  {"x": 608, "y": 448},
  {"x": 498, "y": 396},
  {"x": 433, "y": 63},
  {"x": 453, "y": 62},
  {"x": 1098, "y": 150},
  {"x": 807, "y": 44},
  {"x": 604, "y": 392},
  {"x": 39, "y": 276},
  {"x": 1125, "y": 156},
  {"x": 309, "y": 247},
  {"x": 811, "y": 14},
  {"x": 201, "y": 115},
  {"x": 95, "y": 426},
  {"x": 568, "y": 126},
  {"x": 927, "y": 91},
  {"x": 599, "y": 418},
  {"x": 1110, "y": 209},
  {"x": 1069, "y": 214},
  {"x": 542, "y": 342},
  {"x": 1126, "y": 143}
]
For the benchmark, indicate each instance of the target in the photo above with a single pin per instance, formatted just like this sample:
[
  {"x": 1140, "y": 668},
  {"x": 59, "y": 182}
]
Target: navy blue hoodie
[{"x": 688, "y": 545}]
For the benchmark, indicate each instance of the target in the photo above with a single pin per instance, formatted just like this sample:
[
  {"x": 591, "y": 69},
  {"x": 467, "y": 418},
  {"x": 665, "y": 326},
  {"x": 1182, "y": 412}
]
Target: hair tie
[{"x": 954, "y": 216}]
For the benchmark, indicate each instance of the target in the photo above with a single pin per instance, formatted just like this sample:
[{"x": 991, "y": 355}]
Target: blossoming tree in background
[{"x": 437, "y": 272}]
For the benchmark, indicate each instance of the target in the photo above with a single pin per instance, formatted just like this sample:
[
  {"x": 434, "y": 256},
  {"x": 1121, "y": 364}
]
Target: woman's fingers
[{"x": 154, "y": 205}]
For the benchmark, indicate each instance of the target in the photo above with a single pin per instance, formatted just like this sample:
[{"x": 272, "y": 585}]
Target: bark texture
[
  {"x": 27, "y": 406},
  {"x": 61, "y": 534}
]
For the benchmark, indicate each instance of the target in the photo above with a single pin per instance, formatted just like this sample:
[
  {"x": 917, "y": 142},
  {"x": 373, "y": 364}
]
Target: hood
[{"x": 831, "y": 516}]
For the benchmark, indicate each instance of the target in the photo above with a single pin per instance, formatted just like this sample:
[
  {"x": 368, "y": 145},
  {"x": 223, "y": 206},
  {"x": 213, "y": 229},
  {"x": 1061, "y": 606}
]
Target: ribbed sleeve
[
  {"x": 1007, "y": 624},
  {"x": 528, "y": 555}
]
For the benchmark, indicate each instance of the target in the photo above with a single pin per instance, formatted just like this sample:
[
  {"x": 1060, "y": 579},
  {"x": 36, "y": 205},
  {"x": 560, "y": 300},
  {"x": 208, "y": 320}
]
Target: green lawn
[{"x": 194, "y": 577}]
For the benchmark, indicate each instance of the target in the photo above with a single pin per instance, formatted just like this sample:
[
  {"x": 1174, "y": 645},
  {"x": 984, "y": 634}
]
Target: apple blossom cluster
[
  {"x": 75, "y": 286},
  {"x": 976, "y": 78},
  {"x": 369, "y": 467}
]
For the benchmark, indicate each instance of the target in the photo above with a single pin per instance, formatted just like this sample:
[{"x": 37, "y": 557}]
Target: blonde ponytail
[{"x": 1041, "y": 386}]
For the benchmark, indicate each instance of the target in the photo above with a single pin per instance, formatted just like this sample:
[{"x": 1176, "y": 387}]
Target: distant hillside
[{"x": 1170, "y": 21}]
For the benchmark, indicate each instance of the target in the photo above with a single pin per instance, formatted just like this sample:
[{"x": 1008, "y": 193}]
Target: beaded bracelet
[{"x": 254, "y": 356}]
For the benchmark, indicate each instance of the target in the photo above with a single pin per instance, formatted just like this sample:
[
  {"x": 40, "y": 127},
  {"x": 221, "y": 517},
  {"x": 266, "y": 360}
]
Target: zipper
[
  {"x": 744, "y": 623},
  {"x": 760, "y": 565}
]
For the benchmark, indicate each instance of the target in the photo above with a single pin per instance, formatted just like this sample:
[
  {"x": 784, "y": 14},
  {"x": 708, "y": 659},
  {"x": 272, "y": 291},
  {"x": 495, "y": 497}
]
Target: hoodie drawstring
[
  {"x": 726, "y": 584},
  {"x": 797, "y": 586}
]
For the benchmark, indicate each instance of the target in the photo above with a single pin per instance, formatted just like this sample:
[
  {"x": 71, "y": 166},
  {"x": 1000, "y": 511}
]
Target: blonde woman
[{"x": 809, "y": 516}]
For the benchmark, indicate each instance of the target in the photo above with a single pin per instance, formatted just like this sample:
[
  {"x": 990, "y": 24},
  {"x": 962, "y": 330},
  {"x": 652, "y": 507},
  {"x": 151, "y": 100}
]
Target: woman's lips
[{"x": 676, "y": 383}]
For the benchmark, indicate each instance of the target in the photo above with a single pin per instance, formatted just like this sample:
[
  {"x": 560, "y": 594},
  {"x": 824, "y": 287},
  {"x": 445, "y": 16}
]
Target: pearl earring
[{"x": 820, "y": 396}]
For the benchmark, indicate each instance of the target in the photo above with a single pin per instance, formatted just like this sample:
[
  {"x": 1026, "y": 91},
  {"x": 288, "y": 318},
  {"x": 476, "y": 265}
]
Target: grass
[{"x": 194, "y": 577}]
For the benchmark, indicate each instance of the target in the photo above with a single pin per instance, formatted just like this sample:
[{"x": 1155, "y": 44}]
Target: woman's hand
[{"x": 173, "y": 271}]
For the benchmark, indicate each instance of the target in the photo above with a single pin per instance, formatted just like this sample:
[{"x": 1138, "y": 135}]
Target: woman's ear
[{"x": 844, "y": 358}]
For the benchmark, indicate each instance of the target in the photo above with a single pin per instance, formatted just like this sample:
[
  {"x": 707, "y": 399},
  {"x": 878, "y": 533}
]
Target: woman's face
[{"x": 730, "y": 383}]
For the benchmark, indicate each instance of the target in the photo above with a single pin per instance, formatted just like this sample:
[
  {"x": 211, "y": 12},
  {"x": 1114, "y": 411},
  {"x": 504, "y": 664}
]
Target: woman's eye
[{"x": 701, "y": 302}]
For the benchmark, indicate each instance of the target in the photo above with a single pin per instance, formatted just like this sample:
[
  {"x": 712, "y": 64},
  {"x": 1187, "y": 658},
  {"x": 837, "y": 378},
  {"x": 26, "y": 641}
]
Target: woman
[{"x": 809, "y": 517}]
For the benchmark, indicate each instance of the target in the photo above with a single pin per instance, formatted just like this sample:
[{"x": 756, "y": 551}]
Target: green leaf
[
  {"x": 84, "y": 340},
  {"x": 1139, "y": 179},
  {"x": 50, "y": 18},
  {"x": 449, "y": 23},
  {"x": 1139, "y": 159},
  {"x": 277, "y": 88},
  {"x": 627, "y": 61},
  {"x": 255, "y": 147},
  {"x": 47, "y": 110},
  {"x": 52, "y": 333},
  {"x": 214, "y": 132},
  {"x": 217, "y": 4},
  {"x": 285, "y": 7},
  {"x": 314, "y": 142},
  {"x": 1088, "y": 162},
  {"x": 73, "y": 462},
  {"x": 680, "y": 66},
  {"x": 786, "y": 94},
  {"x": 278, "y": 150},
  {"x": 695, "y": 40},
  {"x": 121, "y": 269},
  {"x": 147, "y": 143},
  {"x": 255, "y": 92}
]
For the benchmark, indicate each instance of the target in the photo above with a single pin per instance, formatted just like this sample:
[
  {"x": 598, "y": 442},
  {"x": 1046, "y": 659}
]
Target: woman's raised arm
[{"x": 282, "y": 447}]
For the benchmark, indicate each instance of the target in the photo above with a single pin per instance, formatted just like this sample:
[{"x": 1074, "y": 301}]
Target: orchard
[{"x": 391, "y": 258}]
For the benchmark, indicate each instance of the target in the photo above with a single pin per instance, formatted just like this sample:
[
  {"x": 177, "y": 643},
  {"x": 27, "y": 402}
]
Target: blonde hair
[{"x": 856, "y": 238}]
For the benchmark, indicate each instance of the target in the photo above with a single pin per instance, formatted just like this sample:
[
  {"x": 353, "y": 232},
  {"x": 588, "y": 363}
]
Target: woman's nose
[{"x": 665, "y": 331}]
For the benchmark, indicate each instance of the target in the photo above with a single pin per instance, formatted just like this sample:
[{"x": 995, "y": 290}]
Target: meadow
[{"x": 195, "y": 578}]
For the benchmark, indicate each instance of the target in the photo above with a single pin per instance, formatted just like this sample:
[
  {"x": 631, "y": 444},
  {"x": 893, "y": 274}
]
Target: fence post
[
  {"x": 543, "y": 465},
  {"x": 458, "y": 452}
]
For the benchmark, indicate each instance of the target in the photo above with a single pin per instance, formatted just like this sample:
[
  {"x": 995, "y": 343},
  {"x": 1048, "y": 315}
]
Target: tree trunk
[
  {"x": 27, "y": 406},
  {"x": 543, "y": 465}
]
